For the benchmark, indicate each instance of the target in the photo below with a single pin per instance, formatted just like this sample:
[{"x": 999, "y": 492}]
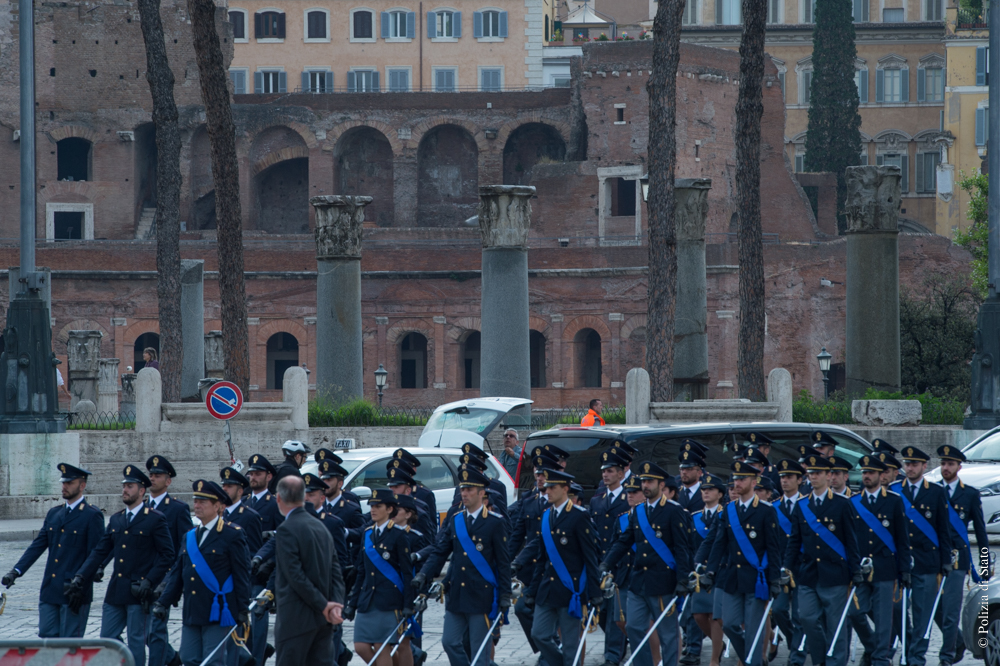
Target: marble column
[
  {"x": 872, "y": 340},
  {"x": 505, "y": 361},
  {"x": 691, "y": 316},
  {"x": 339, "y": 369},
  {"x": 215, "y": 365},
  {"x": 84, "y": 351},
  {"x": 107, "y": 385},
  {"x": 192, "y": 325}
]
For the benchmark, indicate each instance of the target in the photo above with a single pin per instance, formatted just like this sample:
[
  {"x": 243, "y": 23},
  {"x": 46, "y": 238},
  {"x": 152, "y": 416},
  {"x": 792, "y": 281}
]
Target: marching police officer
[
  {"x": 70, "y": 532},
  {"x": 472, "y": 450},
  {"x": 402, "y": 483},
  {"x": 884, "y": 545},
  {"x": 692, "y": 467},
  {"x": 703, "y": 601},
  {"x": 326, "y": 455},
  {"x": 892, "y": 468},
  {"x": 662, "y": 563},
  {"x": 478, "y": 581},
  {"x": 824, "y": 443},
  {"x": 138, "y": 540},
  {"x": 237, "y": 512},
  {"x": 260, "y": 473},
  {"x": 838, "y": 475},
  {"x": 421, "y": 492},
  {"x": 926, "y": 506},
  {"x": 762, "y": 443},
  {"x": 606, "y": 507},
  {"x": 823, "y": 549},
  {"x": 566, "y": 576},
  {"x": 338, "y": 502},
  {"x": 214, "y": 562},
  {"x": 964, "y": 504},
  {"x": 786, "y": 606},
  {"x": 295, "y": 453},
  {"x": 747, "y": 536}
]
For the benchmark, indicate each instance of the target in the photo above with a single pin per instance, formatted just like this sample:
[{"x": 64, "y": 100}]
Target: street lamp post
[
  {"x": 824, "y": 359},
  {"x": 380, "y": 377}
]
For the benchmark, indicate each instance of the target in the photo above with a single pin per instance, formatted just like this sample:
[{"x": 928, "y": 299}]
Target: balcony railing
[{"x": 973, "y": 19}]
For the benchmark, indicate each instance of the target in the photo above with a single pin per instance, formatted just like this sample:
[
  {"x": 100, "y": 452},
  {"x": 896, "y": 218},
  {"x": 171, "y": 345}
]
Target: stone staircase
[{"x": 146, "y": 230}]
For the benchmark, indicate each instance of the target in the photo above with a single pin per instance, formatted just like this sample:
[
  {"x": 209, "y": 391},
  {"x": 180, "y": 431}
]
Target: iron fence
[
  {"x": 351, "y": 416},
  {"x": 101, "y": 421},
  {"x": 973, "y": 19}
]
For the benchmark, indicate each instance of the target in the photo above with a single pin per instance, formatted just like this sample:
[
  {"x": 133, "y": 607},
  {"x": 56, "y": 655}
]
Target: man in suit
[
  {"x": 213, "y": 558},
  {"x": 309, "y": 585},
  {"x": 58, "y": 615},
  {"x": 161, "y": 475}
]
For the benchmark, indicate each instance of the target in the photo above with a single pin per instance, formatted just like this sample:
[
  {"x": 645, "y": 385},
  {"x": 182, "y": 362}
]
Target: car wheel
[{"x": 992, "y": 651}]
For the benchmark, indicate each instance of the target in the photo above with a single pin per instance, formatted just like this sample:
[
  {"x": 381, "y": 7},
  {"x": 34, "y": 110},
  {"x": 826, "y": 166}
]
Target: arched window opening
[
  {"x": 413, "y": 361},
  {"x": 282, "y": 353}
]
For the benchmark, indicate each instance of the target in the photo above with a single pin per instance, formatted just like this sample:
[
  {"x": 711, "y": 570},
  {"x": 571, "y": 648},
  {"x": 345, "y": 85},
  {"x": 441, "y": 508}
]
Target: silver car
[
  {"x": 981, "y": 622},
  {"x": 982, "y": 470}
]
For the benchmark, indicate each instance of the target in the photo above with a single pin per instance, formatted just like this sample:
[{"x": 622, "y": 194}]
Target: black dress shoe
[
  {"x": 345, "y": 658},
  {"x": 268, "y": 651},
  {"x": 176, "y": 661}
]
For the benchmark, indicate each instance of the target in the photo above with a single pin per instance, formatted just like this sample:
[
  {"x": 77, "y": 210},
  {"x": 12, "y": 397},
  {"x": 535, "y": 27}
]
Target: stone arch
[
  {"x": 258, "y": 345},
  {"x": 289, "y": 153},
  {"x": 512, "y": 126},
  {"x": 460, "y": 327},
  {"x": 394, "y": 338},
  {"x": 573, "y": 359},
  {"x": 388, "y": 131},
  {"x": 60, "y": 339},
  {"x": 363, "y": 164},
  {"x": 419, "y": 131},
  {"x": 885, "y": 134},
  {"x": 631, "y": 324},
  {"x": 447, "y": 176},
  {"x": 527, "y": 145},
  {"x": 536, "y": 323},
  {"x": 279, "y": 158},
  {"x": 585, "y": 321},
  {"x": 132, "y": 333},
  {"x": 400, "y": 328},
  {"x": 290, "y": 326},
  {"x": 74, "y": 131}
]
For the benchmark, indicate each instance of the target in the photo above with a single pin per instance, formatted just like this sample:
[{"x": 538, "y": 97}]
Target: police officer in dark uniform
[
  {"x": 261, "y": 499},
  {"x": 892, "y": 468},
  {"x": 178, "y": 514},
  {"x": 138, "y": 538},
  {"x": 566, "y": 576},
  {"x": 212, "y": 574},
  {"x": 658, "y": 528},
  {"x": 402, "y": 483},
  {"x": 477, "y": 585},
  {"x": 926, "y": 506},
  {"x": 702, "y": 604},
  {"x": 421, "y": 492},
  {"x": 964, "y": 505},
  {"x": 473, "y": 450},
  {"x": 747, "y": 537},
  {"x": 295, "y": 453},
  {"x": 824, "y": 549},
  {"x": 237, "y": 512},
  {"x": 326, "y": 455},
  {"x": 786, "y": 606},
  {"x": 692, "y": 466},
  {"x": 70, "y": 532},
  {"x": 606, "y": 507},
  {"x": 884, "y": 543},
  {"x": 338, "y": 502},
  {"x": 762, "y": 443}
]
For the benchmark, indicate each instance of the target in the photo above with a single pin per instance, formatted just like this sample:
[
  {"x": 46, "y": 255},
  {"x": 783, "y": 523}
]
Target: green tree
[
  {"x": 833, "y": 141},
  {"x": 975, "y": 239}
]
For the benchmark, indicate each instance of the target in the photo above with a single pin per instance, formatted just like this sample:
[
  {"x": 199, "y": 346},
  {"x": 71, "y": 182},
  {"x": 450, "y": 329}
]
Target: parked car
[
  {"x": 982, "y": 470},
  {"x": 438, "y": 471},
  {"x": 661, "y": 443},
  {"x": 453, "y": 424},
  {"x": 981, "y": 622}
]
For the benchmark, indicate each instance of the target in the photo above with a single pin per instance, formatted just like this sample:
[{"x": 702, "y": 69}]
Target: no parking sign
[{"x": 224, "y": 400}]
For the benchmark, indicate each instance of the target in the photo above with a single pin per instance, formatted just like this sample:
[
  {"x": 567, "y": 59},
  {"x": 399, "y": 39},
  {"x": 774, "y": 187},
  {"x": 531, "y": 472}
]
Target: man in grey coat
[{"x": 309, "y": 588}]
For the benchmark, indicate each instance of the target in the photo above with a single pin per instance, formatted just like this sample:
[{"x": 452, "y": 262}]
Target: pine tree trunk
[
  {"x": 226, "y": 175},
  {"x": 749, "y": 109},
  {"x": 662, "y": 292},
  {"x": 168, "y": 197}
]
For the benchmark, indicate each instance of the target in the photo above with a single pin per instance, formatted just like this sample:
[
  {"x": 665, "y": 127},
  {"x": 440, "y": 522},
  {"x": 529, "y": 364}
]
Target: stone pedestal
[
  {"x": 339, "y": 369},
  {"x": 149, "y": 400},
  {"x": 779, "y": 390},
  {"x": 28, "y": 462},
  {"x": 84, "y": 351},
  {"x": 192, "y": 325},
  {"x": 637, "y": 397},
  {"x": 872, "y": 340},
  {"x": 127, "y": 406},
  {"x": 691, "y": 314},
  {"x": 295, "y": 392},
  {"x": 505, "y": 362},
  {"x": 215, "y": 365},
  {"x": 107, "y": 386}
]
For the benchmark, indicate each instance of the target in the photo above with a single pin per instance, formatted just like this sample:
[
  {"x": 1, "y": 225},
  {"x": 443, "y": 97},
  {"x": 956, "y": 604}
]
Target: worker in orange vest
[{"x": 593, "y": 416}]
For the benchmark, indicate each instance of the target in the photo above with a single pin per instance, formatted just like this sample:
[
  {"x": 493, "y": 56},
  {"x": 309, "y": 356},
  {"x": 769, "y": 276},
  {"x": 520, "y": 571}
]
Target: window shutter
[
  {"x": 411, "y": 24},
  {"x": 878, "y": 160},
  {"x": 798, "y": 163},
  {"x": 375, "y": 82},
  {"x": 282, "y": 82},
  {"x": 980, "y": 127},
  {"x": 807, "y": 10},
  {"x": 980, "y": 65},
  {"x": 880, "y": 86},
  {"x": 921, "y": 87},
  {"x": 781, "y": 82},
  {"x": 281, "y": 26},
  {"x": 904, "y": 162},
  {"x": 258, "y": 85},
  {"x": 305, "y": 82},
  {"x": 944, "y": 82},
  {"x": 806, "y": 87},
  {"x": 921, "y": 180},
  {"x": 328, "y": 82},
  {"x": 258, "y": 26},
  {"x": 857, "y": 11},
  {"x": 904, "y": 75},
  {"x": 718, "y": 12},
  {"x": 456, "y": 24},
  {"x": 352, "y": 82},
  {"x": 384, "y": 19},
  {"x": 503, "y": 24},
  {"x": 477, "y": 24},
  {"x": 432, "y": 25},
  {"x": 863, "y": 93}
]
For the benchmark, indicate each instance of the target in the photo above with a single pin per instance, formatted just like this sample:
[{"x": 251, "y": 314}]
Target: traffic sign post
[{"x": 224, "y": 400}]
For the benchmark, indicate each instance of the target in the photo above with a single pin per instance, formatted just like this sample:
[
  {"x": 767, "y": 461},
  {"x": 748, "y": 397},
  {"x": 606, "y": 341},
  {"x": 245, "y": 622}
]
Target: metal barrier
[
  {"x": 64, "y": 652},
  {"x": 101, "y": 420}
]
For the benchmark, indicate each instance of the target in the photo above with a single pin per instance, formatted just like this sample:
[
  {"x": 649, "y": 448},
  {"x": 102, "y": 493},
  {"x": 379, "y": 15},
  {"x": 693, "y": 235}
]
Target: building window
[
  {"x": 269, "y": 25},
  {"x": 690, "y": 13},
  {"x": 808, "y": 11},
  {"x": 800, "y": 161},
  {"x": 444, "y": 80},
  {"x": 73, "y": 159},
  {"x": 774, "y": 11},
  {"x": 490, "y": 23},
  {"x": 399, "y": 80},
  {"x": 239, "y": 78},
  {"x": 902, "y": 161},
  {"x": 317, "y": 81},
  {"x": 561, "y": 81},
  {"x": 982, "y": 126},
  {"x": 860, "y": 11},
  {"x": 892, "y": 86},
  {"x": 861, "y": 81},
  {"x": 805, "y": 87},
  {"x": 444, "y": 24},
  {"x": 491, "y": 80},
  {"x": 933, "y": 10},
  {"x": 362, "y": 80},
  {"x": 781, "y": 82},
  {"x": 362, "y": 24},
  {"x": 238, "y": 19},
  {"x": 398, "y": 25},
  {"x": 982, "y": 64},
  {"x": 927, "y": 164},
  {"x": 727, "y": 12},
  {"x": 67, "y": 221},
  {"x": 316, "y": 25},
  {"x": 894, "y": 15},
  {"x": 270, "y": 82},
  {"x": 930, "y": 84}
]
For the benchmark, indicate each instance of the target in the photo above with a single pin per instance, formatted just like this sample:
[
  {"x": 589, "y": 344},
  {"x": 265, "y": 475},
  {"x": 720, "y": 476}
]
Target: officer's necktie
[
  {"x": 687, "y": 494},
  {"x": 129, "y": 519},
  {"x": 253, "y": 501},
  {"x": 201, "y": 533},
  {"x": 913, "y": 492},
  {"x": 788, "y": 506},
  {"x": 818, "y": 501},
  {"x": 951, "y": 491},
  {"x": 871, "y": 500}
]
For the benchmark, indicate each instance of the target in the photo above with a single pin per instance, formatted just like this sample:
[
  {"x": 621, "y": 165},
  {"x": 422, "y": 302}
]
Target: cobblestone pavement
[{"x": 20, "y": 620}]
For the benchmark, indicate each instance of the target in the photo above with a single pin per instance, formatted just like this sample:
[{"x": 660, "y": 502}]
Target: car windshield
[
  {"x": 987, "y": 448},
  {"x": 351, "y": 464},
  {"x": 464, "y": 418}
]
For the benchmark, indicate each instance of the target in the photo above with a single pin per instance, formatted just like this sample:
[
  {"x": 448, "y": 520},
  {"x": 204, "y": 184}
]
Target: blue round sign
[{"x": 224, "y": 400}]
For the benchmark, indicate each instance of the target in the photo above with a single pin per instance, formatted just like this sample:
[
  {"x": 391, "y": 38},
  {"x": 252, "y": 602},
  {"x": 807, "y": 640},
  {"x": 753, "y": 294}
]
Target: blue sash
[
  {"x": 383, "y": 566},
  {"x": 873, "y": 522},
  {"x": 760, "y": 589},
  {"x": 962, "y": 527},
  {"x": 224, "y": 618},
  {"x": 478, "y": 561},
  {"x": 699, "y": 524},
  {"x": 915, "y": 516},
  {"x": 661, "y": 548},
  {"x": 786, "y": 524},
  {"x": 623, "y": 526},
  {"x": 575, "y": 607},
  {"x": 825, "y": 535}
]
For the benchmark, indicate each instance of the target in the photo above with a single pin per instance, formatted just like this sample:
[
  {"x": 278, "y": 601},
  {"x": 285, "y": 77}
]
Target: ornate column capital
[
  {"x": 339, "y": 219},
  {"x": 873, "y": 198},
  {"x": 505, "y": 215}
]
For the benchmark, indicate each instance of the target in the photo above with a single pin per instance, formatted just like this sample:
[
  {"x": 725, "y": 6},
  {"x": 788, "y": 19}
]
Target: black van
[{"x": 661, "y": 443}]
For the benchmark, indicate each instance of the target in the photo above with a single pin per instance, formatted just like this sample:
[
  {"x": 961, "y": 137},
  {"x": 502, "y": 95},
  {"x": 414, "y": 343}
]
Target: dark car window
[
  {"x": 576, "y": 446},
  {"x": 434, "y": 473},
  {"x": 372, "y": 476}
]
